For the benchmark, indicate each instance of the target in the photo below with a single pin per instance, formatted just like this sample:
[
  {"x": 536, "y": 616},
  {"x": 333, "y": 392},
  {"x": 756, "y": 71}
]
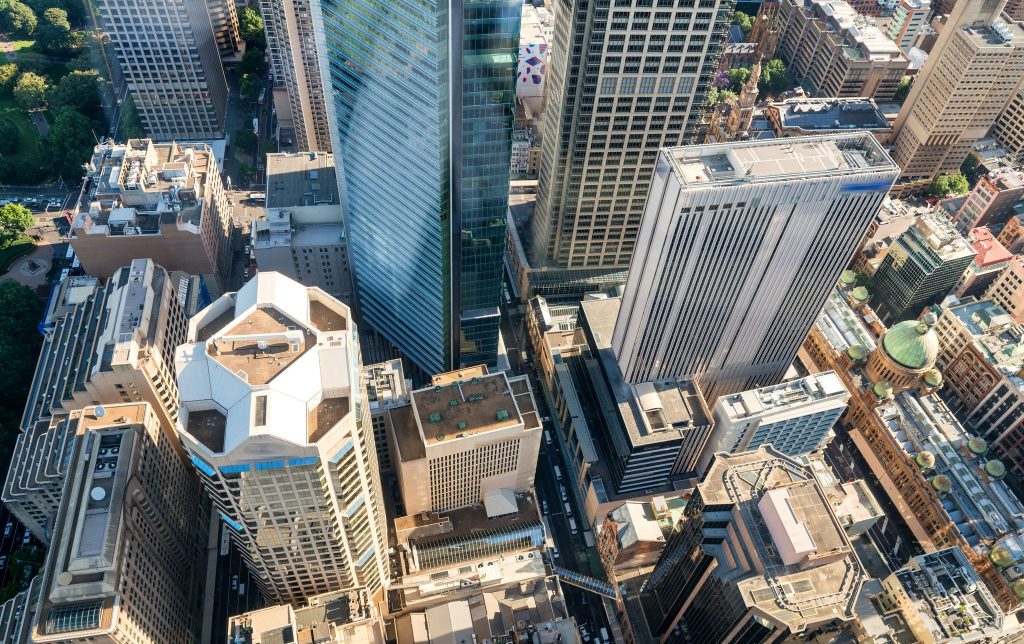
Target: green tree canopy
[
  {"x": 744, "y": 21},
  {"x": 14, "y": 220},
  {"x": 250, "y": 86},
  {"x": 774, "y": 77},
  {"x": 10, "y": 138},
  {"x": 947, "y": 185},
  {"x": 8, "y": 75},
  {"x": 19, "y": 19},
  {"x": 903, "y": 89},
  {"x": 252, "y": 63},
  {"x": 250, "y": 27},
  {"x": 30, "y": 90},
  {"x": 738, "y": 77},
  {"x": 54, "y": 33},
  {"x": 69, "y": 142},
  {"x": 78, "y": 90}
]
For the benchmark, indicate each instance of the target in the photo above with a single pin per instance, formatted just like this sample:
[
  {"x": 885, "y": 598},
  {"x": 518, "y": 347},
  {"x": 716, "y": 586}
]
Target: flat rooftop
[
  {"x": 261, "y": 345},
  {"x": 775, "y": 159},
  {"x": 812, "y": 114},
  {"x": 464, "y": 522},
  {"x": 301, "y": 179},
  {"x": 785, "y": 395},
  {"x": 466, "y": 408},
  {"x": 825, "y": 584}
]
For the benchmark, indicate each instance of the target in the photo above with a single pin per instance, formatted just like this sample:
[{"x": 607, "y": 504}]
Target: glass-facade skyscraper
[{"x": 423, "y": 94}]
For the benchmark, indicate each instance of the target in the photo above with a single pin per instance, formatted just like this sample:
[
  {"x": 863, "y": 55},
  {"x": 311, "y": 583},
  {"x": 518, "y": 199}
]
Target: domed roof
[
  {"x": 860, "y": 294},
  {"x": 848, "y": 277},
  {"x": 912, "y": 344}
]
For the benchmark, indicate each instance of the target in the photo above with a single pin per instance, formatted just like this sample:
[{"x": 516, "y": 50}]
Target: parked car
[
  {"x": 234, "y": 582},
  {"x": 8, "y": 528}
]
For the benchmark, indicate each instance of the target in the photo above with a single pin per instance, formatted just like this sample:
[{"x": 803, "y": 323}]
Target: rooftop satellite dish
[
  {"x": 98, "y": 494},
  {"x": 100, "y": 412},
  {"x": 262, "y": 344}
]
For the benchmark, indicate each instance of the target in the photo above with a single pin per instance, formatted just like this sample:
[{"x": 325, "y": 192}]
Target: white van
[
  {"x": 558, "y": 473},
  {"x": 565, "y": 496},
  {"x": 572, "y": 525},
  {"x": 547, "y": 437},
  {"x": 604, "y": 635},
  {"x": 568, "y": 509}
]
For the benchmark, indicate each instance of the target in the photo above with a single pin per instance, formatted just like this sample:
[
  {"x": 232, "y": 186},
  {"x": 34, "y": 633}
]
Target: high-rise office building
[
  {"x": 834, "y": 51},
  {"x": 299, "y": 93},
  {"x": 1009, "y": 127},
  {"x": 739, "y": 248},
  {"x": 168, "y": 53},
  {"x": 1008, "y": 289},
  {"x": 922, "y": 267},
  {"x": 470, "y": 438},
  {"x": 127, "y": 564},
  {"x": 224, "y": 19},
  {"x": 115, "y": 344},
  {"x": 623, "y": 82},
  {"x": 794, "y": 417},
  {"x": 760, "y": 555},
  {"x": 971, "y": 72},
  {"x": 275, "y": 418},
  {"x": 909, "y": 22},
  {"x": 425, "y": 110}
]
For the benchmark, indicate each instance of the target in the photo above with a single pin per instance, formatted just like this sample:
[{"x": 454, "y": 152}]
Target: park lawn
[
  {"x": 20, "y": 247},
  {"x": 19, "y": 45},
  {"x": 30, "y": 151}
]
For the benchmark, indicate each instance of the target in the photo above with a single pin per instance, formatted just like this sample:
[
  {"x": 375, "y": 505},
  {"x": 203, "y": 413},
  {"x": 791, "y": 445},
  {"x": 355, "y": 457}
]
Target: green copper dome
[
  {"x": 1001, "y": 556},
  {"x": 933, "y": 377},
  {"x": 848, "y": 277},
  {"x": 925, "y": 460},
  {"x": 995, "y": 468},
  {"x": 883, "y": 389},
  {"x": 856, "y": 352},
  {"x": 977, "y": 445},
  {"x": 912, "y": 344},
  {"x": 941, "y": 483},
  {"x": 860, "y": 294}
]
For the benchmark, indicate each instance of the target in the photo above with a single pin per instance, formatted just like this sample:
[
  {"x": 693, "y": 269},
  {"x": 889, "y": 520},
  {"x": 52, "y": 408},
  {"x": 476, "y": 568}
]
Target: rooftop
[
  {"x": 995, "y": 335},
  {"x": 950, "y": 598},
  {"x": 427, "y": 528},
  {"x": 774, "y": 159},
  {"x": 863, "y": 40},
  {"x": 809, "y": 572},
  {"x": 301, "y": 179},
  {"x": 342, "y": 616},
  {"x": 812, "y": 114},
  {"x": 990, "y": 251},
  {"x": 784, "y": 396},
  {"x": 843, "y": 327},
  {"x": 935, "y": 230},
  {"x": 263, "y": 359}
]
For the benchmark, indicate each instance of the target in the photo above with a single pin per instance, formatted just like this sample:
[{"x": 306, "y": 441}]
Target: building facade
[
  {"x": 292, "y": 36},
  {"x": 623, "y": 82},
  {"x": 835, "y": 52},
  {"x": 275, "y": 419},
  {"x": 427, "y": 240},
  {"x": 794, "y": 417},
  {"x": 908, "y": 23},
  {"x": 127, "y": 563},
  {"x": 971, "y": 73},
  {"x": 922, "y": 266},
  {"x": 777, "y": 252},
  {"x": 168, "y": 54},
  {"x": 115, "y": 344},
  {"x": 1008, "y": 289},
  {"x": 1009, "y": 129},
  {"x": 163, "y": 201},
  {"x": 991, "y": 259},
  {"x": 224, "y": 19},
  {"x": 992, "y": 199}
]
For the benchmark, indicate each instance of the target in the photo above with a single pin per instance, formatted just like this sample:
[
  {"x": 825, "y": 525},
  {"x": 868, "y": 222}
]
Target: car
[
  {"x": 545, "y": 505},
  {"x": 572, "y": 526},
  {"x": 8, "y": 528},
  {"x": 241, "y": 589},
  {"x": 55, "y": 202},
  {"x": 3, "y": 561},
  {"x": 25, "y": 539},
  {"x": 234, "y": 582},
  {"x": 558, "y": 473},
  {"x": 565, "y": 496},
  {"x": 546, "y": 419},
  {"x": 604, "y": 635},
  {"x": 568, "y": 509},
  {"x": 554, "y": 552},
  {"x": 547, "y": 437}
]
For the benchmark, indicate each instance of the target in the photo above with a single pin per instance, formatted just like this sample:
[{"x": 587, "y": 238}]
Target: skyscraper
[
  {"x": 295, "y": 64},
  {"x": 127, "y": 564},
  {"x": 275, "y": 418},
  {"x": 169, "y": 56},
  {"x": 922, "y": 267},
  {"x": 623, "y": 82},
  {"x": 971, "y": 73},
  {"x": 739, "y": 247},
  {"x": 424, "y": 99}
]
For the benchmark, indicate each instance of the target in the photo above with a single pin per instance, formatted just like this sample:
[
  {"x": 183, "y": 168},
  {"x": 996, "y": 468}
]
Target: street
[
  {"x": 586, "y": 607},
  {"x": 12, "y": 537},
  {"x": 234, "y": 590}
]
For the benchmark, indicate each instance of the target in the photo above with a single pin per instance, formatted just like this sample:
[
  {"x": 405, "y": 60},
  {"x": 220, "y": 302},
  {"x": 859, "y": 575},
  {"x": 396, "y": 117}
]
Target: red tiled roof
[{"x": 989, "y": 250}]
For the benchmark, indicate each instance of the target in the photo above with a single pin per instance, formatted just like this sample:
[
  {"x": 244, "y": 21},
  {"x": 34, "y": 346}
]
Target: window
[
  {"x": 647, "y": 84},
  {"x": 608, "y": 85}
]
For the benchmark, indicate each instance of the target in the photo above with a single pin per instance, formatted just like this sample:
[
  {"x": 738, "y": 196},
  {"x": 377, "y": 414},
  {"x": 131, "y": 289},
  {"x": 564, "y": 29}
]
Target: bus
[{"x": 257, "y": 196}]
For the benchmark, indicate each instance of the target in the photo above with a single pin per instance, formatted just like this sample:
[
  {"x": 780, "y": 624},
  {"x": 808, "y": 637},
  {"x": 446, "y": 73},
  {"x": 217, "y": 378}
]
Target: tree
[
  {"x": 969, "y": 168},
  {"x": 744, "y": 21},
  {"x": 82, "y": 62},
  {"x": 69, "y": 142},
  {"x": 253, "y": 63},
  {"x": 35, "y": 62},
  {"x": 738, "y": 77},
  {"x": 15, "y": 219},
  {"x": 250, "y": 86},
  {"x": 30, "y": 90},
  {"x": 245, "y": 139},
  {"x": 78, "y": 90},
  {"x": 250, "y": 27},
  {"x": 946, "y": 185},
  {"x": 774, "y": 77},
  {"x": 9, "y": 137},
  {"x": 19, "y": 19},
  {"x": 8, "y": 74},
  {"x": 54, "y": 34},
  {"x": 903, "y": 89},
  {"x": 711, "y": 99}
]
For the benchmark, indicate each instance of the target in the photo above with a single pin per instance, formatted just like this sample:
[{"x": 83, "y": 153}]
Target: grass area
[
  {"x": 30, "y": 149},
  {"x": 18, "y": 248},
  {"x": 18, "y": 46}
]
